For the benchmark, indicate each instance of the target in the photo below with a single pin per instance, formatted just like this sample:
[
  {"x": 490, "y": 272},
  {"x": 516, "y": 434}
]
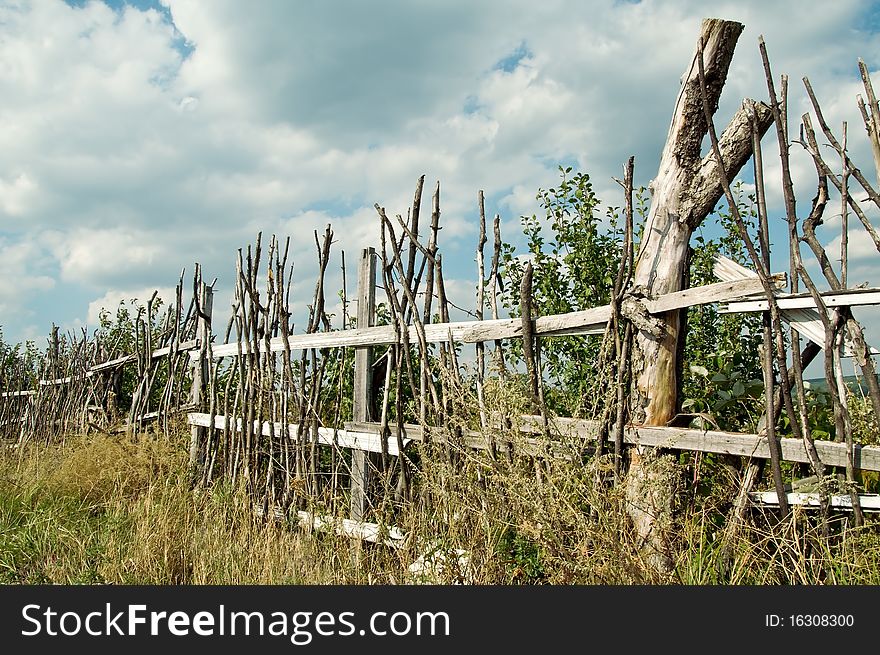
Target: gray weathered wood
[
  {"x": 474, "y": 439},
  {"x": 583, "y": 322},
  {"x": 358, "y": 440},
  {"x": 97, "y": 368},
  {"x": 842, "y": 298},
  {"x": 200, "y": 372},
  {"x": 364, "y": 435},
  {"x": 718, "y": 292},
  {"x": 16, "y": 394},
  {"x": 805, "y": 320},
  {"x": 361, "y": 463},
  {"x": 159, "y": 352},
  {"x": 388, "y": 535},
  {"x": 715, "y": 441},
  {"x": 869, "y": 502}
]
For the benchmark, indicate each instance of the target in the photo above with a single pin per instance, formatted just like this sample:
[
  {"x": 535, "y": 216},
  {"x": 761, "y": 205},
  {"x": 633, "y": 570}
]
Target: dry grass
[{"x": 107, "y": 509}]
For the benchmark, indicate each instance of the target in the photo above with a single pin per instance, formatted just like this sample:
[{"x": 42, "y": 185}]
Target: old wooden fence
[
  {"x": 86, "y": 390},
  {"x": 278, "y": 411}
]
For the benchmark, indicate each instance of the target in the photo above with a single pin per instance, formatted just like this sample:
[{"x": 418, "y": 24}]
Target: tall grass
[
  {"x": 103, "y": 509},
  {"x": 110, "y": 510}
]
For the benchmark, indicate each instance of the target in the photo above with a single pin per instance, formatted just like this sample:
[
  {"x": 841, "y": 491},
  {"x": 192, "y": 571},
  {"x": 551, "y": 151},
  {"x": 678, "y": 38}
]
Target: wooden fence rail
[
  {"x": 362, "y": 435},
  {"x": 580, "y": 323},
  {"x": 584, "y": 322},
  {"x": 102, "y": 367}
]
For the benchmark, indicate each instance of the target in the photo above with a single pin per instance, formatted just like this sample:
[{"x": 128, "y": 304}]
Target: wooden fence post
[
  {"x": 54, "y": 355},
  {"x": 362, "y": 462},
  {"x": 198, "y": 435}
]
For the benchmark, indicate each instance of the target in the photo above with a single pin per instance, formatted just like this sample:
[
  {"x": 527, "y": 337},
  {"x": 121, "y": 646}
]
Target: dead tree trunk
[{"x": 685, "y": 190}]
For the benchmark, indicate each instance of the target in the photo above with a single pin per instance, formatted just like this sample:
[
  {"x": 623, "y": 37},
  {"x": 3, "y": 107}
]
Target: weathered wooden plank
[
  {"x": 388, "y": 535},
  {"x": 383, "y": 334},
  {"x": 831, "y": 453},
  {"x": 808, "y": 323},
  {"x": 362, "y": 463},
  {"x": 717, "y": 292},
  {"x": 66, "y": 380},
  {"x": 805, "y": 320},
  {"x": 595, "y": 317},
  {"x": 869, "y": 502},
  {"x": 588, "y": 322},
  {"x": 537, "y": 447},
  {"x": 200, "y": 372},
  {"x": 119, "y": 361},
  {"x": 413, "y": 432},
  {"x": 366, "y": 441},
  {"x": 193, "y": 344},
  {"x": 843, "y": 298},
  {"x": 583, "y": 322},
  {"x": 15, "y": 394},
  {"x": 714, "y": 441},
  {"x": 112, "y": 363}
]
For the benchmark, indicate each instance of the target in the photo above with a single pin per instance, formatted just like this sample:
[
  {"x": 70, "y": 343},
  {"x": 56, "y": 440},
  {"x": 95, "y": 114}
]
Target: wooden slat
[
  {"x": 805, "y": 320},
  {"x": 97, "y": 368},
  {"x": 583, "y": 322},
  {"x": 717, "y": 292},
  {"x": 474, "y": 439},
  {"x": 727, "y": 269},
  {"x": 59, "y": 381},
  {"x": 463, "y": 332},
  {"x": 369, "y": 441},
  {"x": 868, "y": 502},
  {"x": 831, "y": 453},
  {"x": 193, "y": 344},
  {"x": 119, "y": 361},
  {"x": 847, "y": 298},
  {"x": 15, "y": 394},
  {"x": 362, "y": 463},
  {"x": 388, "y": 535}
]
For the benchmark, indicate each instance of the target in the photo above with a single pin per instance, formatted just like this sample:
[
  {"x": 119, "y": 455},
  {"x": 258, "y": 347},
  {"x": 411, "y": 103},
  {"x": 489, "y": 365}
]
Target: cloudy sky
[{"x": 137, "y": 138}]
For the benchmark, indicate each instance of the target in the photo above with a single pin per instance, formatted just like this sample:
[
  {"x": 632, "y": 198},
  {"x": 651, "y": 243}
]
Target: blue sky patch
[
  {"x": 180, "y": 43},
  {"x": 509, "y": 63},
  {"x": 471, "y": 105}
]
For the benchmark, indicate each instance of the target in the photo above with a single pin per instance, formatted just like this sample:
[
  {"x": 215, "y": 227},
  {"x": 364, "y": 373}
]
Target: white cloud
[
  {"x": 105, "y": 255},
  {"x": 17, "y": 194},
  {"x": 131, "y": 298},
  {"x": 22, "y": 276},
  {"x": 861, "y": 255}
]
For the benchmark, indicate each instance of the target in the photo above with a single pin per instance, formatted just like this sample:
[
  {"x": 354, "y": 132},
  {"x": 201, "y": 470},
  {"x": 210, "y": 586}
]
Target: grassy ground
[{"x": 110, "y": 510}]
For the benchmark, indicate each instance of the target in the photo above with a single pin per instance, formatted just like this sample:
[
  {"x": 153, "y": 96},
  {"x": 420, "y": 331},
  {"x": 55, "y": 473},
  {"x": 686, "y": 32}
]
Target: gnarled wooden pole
[{"x": 685, "y": 190}]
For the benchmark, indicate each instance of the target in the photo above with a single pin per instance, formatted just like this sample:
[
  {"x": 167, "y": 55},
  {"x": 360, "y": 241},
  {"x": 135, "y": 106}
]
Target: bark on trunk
[{"x": 685, "y": 190}]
